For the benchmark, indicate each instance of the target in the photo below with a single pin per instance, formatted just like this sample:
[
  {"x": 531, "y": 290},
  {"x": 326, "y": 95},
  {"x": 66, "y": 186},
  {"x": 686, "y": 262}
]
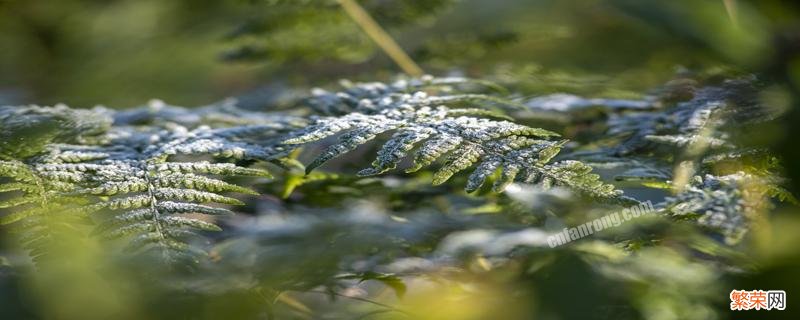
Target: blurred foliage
[
  {"x": 123, "y": 52},
  {"x": 692, "y": 105}
]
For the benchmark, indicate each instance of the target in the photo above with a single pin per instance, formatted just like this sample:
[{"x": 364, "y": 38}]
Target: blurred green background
[{"x": 121, "y": 53}]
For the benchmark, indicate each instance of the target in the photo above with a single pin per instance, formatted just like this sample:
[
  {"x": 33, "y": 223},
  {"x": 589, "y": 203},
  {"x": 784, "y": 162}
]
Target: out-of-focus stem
[
  {"x": 380, "y": 37},
  {"x": 730, "y": 7}
]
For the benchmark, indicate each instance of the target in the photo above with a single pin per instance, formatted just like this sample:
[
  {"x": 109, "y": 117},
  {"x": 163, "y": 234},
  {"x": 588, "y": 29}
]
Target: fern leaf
[
  {"x": 149, "y": 198},
  {"x": 462, "y": 136},
  {"x": 40, "y": 210}
]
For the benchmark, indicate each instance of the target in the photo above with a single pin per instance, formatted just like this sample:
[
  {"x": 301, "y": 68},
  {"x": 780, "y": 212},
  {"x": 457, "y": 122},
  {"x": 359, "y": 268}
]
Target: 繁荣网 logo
[{"x": 758, "y": 300}]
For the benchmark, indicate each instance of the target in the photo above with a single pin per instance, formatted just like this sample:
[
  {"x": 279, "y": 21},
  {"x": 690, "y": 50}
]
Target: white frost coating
[
  {"x": 719, "y": 201},
  {"x": 563, "y": 102},
  {"x": 464, "y": 137}
]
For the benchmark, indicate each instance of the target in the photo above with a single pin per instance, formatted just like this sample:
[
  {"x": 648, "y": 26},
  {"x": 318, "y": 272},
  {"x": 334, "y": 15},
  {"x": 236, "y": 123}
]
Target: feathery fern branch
[{"x": 463, "y": 136}]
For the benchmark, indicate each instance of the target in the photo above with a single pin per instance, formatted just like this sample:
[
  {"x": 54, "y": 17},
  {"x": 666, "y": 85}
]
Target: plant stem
[
  {"x": 380, "y": 37},
  {"x": 730, "y": 8}
]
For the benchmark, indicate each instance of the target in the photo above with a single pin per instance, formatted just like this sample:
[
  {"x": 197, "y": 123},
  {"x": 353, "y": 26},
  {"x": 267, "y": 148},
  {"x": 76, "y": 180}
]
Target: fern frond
[
  {"x": 37, "y": 172},
  {"x": 38, "y": 210},
  {"x": 134, "y": 182},
  {"x": 726, "y": 204},
  {"x": 158, "y": 202},
  {"x": 219, "y": 115},
  {"x": 374, "y": 96},
  {"x": 715, "y": 107},
  {"x": 27, "y": 131},
  {"x": 471, "y": 139},
  {"x": 459, "y": 136},
  {"x": 205, "y": 167},
  {"x": 578, "y": 176}
]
